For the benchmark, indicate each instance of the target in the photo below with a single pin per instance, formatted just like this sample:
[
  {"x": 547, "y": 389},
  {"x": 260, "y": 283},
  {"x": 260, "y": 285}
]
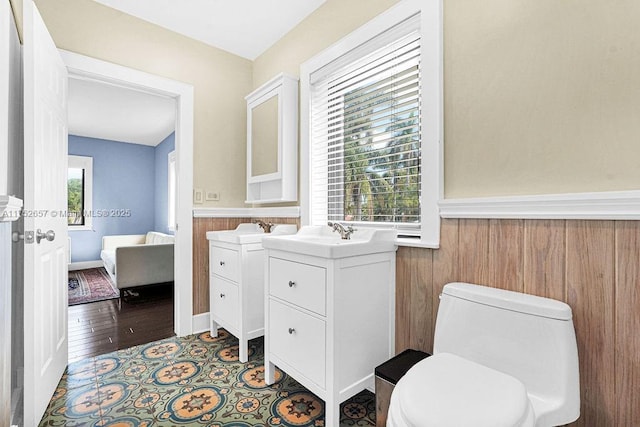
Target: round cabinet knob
[
  {"x": 222, "y": 295},
  {"x": 221, "y": 262},
  {"x": 291, "y": 283},
  {"x": 291, "y": 331}
]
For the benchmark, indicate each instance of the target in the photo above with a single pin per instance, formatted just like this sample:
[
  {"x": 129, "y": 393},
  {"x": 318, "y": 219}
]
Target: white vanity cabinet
[
  {"x": 236, "y": 282},
  {"x": 329, "y": 320}
]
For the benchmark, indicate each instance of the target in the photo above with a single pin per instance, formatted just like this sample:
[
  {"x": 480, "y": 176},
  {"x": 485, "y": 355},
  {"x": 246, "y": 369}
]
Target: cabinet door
[
  {"x": 299, "y": 340},
  {"x": 224, "y": 303}
]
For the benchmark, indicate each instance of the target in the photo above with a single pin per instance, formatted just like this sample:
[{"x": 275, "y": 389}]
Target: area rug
[{"x": 90, "y": 285}]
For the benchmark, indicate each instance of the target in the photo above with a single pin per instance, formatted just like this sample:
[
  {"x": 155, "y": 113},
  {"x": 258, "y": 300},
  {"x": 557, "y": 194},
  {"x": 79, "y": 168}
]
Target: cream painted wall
[
  {"x": 539, "y": 96},
  {"x": 221, "y": 81}
]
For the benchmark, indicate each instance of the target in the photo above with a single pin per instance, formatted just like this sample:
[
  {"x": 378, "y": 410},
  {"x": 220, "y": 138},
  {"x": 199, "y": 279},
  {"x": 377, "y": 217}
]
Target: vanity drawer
[
  {"x": 300, "y": 284},
  {"x": 224, "y": 262},
  {"x": 224, "y": 302},
  {"x": 299, "y": 340}
]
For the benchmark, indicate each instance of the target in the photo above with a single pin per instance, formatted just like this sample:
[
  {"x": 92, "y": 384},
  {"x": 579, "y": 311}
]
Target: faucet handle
[
  {"x": 345, "y": 232},
  {"x": 266, "y": 226},
  {"x": 349, "y": 231}
]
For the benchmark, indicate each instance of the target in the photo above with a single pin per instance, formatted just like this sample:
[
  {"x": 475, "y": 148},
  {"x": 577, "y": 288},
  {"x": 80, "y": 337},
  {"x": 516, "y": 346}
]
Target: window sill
[{"x": 416, "y": 243}]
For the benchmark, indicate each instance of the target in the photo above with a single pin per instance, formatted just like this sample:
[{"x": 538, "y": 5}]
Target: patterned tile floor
[{"x": 190, "y": 381}]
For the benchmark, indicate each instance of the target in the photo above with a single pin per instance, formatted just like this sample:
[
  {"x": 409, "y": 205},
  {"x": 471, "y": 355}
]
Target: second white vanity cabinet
[
  {"x": 236, "y": 282},
  {"x": 330, "y": 312}
]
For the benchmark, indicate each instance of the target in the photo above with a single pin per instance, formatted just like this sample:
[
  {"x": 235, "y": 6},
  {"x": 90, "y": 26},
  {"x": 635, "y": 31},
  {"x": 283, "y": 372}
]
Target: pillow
[{"x": 155, "y": 238}]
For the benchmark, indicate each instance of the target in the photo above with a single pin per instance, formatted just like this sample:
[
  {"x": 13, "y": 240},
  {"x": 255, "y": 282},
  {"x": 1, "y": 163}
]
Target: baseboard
[
  {"x": 84, "y": 264},
  {"x": 367, "y": 382},
  {"x": 200, "y": 323}
]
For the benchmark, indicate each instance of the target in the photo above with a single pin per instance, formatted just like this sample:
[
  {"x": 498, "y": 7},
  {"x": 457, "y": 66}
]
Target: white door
[{"x": 45, "y": 258}]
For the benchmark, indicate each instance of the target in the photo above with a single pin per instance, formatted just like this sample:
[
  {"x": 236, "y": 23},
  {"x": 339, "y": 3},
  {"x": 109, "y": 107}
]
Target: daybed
[{"x": 136, "y": 260}]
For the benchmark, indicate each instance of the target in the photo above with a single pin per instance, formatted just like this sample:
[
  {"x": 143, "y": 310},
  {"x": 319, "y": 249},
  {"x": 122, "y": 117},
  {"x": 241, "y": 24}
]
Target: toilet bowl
[
  {"x": 501, "y": 359},
  {"x": 446, "y": 390}
]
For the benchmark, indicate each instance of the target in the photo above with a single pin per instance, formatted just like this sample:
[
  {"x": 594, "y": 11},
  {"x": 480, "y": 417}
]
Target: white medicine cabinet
[{"x": 272, "y": 141}]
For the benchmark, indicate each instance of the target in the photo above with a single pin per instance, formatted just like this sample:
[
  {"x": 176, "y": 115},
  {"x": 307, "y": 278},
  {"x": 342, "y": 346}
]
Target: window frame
[
  {"x": 431, "y": 120},
  {"x": 172, "y": 185},
  {"x": 85, "y": 163}
]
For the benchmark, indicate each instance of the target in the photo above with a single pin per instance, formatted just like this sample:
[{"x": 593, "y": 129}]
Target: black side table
[{"x": 387, "y": 376}]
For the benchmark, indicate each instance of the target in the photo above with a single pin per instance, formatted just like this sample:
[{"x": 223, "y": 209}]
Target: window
[
  {"x": 171, "y": 186},
  {"x": 373, "y": 135},
  {"x": 79, "y": 192}
]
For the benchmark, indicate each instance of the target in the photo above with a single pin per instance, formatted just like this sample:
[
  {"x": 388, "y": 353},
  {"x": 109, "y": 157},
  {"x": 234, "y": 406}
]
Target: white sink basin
[
  {"x": 250, "y": 233},
  {"x": 322, "y": 241}
]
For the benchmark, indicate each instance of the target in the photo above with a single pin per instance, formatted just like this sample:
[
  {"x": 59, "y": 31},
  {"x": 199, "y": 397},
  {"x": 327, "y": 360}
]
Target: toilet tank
[{"x": 528, "y": 337}]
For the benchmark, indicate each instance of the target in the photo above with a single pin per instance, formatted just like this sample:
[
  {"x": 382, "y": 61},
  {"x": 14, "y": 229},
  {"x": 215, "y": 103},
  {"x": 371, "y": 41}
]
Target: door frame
[{"x": 86, "y": 68}]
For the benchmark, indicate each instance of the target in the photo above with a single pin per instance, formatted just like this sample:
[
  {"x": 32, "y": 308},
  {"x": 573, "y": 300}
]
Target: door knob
[{"x": 49, "y": 235}]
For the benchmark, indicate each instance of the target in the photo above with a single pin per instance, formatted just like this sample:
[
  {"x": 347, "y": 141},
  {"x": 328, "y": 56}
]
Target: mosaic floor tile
[
  {"x": 79, "y": 379},
  {"x": 136, "y": 404},
  {"x": 190, "y": 381}
]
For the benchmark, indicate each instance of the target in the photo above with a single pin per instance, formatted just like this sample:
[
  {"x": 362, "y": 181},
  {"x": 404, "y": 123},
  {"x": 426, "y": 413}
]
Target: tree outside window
[{"x": 79, "y": 192}]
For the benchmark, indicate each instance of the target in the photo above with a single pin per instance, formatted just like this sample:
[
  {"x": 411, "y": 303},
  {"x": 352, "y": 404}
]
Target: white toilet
[{"x": 501, "y": 358}]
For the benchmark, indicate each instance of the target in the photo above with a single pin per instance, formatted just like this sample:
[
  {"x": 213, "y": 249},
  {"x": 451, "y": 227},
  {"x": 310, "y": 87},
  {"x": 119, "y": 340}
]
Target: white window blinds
[{"x": 365, "y": 134}]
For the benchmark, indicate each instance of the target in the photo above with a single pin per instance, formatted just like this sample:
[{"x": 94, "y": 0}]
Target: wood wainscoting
[
  {"x": 201, "y": 253},
  {"x": 594, "y": 266}
]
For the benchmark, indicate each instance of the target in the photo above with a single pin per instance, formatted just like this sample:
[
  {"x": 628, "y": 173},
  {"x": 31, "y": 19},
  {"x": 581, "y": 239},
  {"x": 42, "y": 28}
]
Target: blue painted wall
[
  {"x": 123, "y": 178},
  {"x": 162, "y": 182}
]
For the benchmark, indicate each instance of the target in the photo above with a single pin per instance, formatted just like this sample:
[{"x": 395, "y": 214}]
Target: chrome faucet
[
  {"x": 266, "y": 226},
  {"x": 345, "y": 233}
]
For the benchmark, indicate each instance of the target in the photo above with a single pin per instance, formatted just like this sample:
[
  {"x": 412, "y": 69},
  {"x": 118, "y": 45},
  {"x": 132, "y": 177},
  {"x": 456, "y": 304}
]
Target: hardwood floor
[{"x": 105, "y": 326}]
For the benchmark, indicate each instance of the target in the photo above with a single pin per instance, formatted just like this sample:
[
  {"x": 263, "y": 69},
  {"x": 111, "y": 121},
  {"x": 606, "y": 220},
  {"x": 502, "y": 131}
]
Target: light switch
[{"x": 197, "y": 195}]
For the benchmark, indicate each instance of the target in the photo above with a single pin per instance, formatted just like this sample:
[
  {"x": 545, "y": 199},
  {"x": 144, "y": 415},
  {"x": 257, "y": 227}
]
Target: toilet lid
[{"x": 447, "y": 390}]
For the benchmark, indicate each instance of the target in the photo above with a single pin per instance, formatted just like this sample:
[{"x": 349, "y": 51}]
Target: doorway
[
  {"x": 119, "y": 184},
  {"x": 82, "y": 67}
]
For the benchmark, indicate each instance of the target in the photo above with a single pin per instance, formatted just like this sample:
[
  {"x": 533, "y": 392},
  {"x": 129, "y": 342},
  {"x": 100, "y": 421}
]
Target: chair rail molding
[
  {"x": 272, "y": 212},
  {"x": 608, "y": 205},
  {"x": 10, "y": 208}
]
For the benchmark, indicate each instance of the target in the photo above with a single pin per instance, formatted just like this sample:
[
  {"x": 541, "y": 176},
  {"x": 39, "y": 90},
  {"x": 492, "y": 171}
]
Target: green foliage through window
[
  {"x": 373, "y": 130},
  {"x": 75, "y": 196}
]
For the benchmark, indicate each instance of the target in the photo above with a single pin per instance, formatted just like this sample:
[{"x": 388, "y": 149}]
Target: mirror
[{"x": 264, "y": 138}]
